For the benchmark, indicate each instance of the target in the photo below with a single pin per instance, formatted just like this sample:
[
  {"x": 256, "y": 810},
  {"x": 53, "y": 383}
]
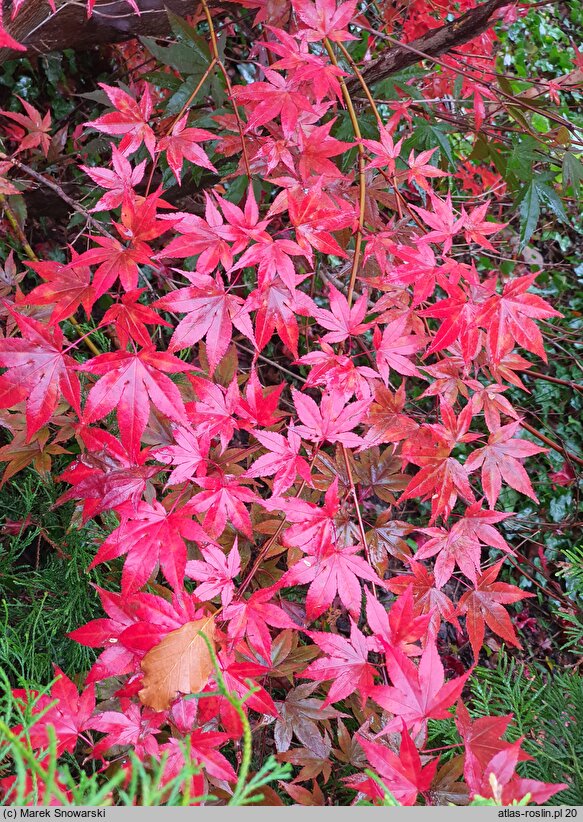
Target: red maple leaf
[
  {"x": 342, "y": 321},
  {"x": 250, "y": 618},
  {"x": 346, "y": 664},
  {"x": 68, "y": 717},
  {"x": 315, "y": 526},
  {"x": 130, "y": 382},
  {"x": 278, "y": 97},
  {"x": 482, "y": 739},
  {"x": 484, "y": 606},
  {"x": 283, "y": 459},
  {"x": 215, "y": 572},
  {"x": 237, "y": 675},
  {"x": 458, "y": 314},
  {"x": 500, "y": 781},
  {"x": 476, "y": 228},
  {"x": 259, "y": 405},
  {"x": 118, "y": 182},
  {"x": 8, "y": 42},
  {"x": 243, "y": 225},
  {"x": 489, "y": 399},
  {"x": 314, "y": 216},
  {"x": 205, "y": 237},
  {"x": 400, "y": 626},
  {"x": 442, "y": 220},
  {"x": 189, "y": 454},
  {"x": 508, "y": 318},
  {"x": 224, "y": 499},
  {"x": 331, "y": 421},
  {"x": 134, "y": 727},
  {"x": 499, "y": 461},
  {"x": 37, "y": 126},
  {"x": 214, "y": 412},
  {"x": 324, "y": 20},
  {"x": 331, "y": 570},
  {"x": 66, "y": 287},
  {"x": 38, "y": 372},
  {"x": 420, "y": 170},
  {"x": 338, "y": 373},
  {"x": 451, "y": 548},
  {"x": 130, "y": 317},
  {"x": 105, "y": 475},
  {"x": 277, "y": 307},
  {"x": 441, "y": 478},
  {"x": 418, "y": 268},
  {"x": 211, "y": 312},
  {"x": 394, "y": 347},
  {"x": 418, "y": 693},
  {"x": 121, "y": 258},
  {"x": 461, "y": 545},
  {"x": 428, "y": 598},
  {"x": 130, "y": 120},
  {"x": 202, "y": 749},
  {"x": 148, "y": 535},
  {"x": 386, "y": 151},
  {"x": 273, "y": 261},
  {"x": 136, "y": 622},
  {"x": 387, "y": 421},
  {"x": 307, "y": 67},
  {"x": 315, "y": 147},
  {"x": 403, "y": 774},
  {"x": 182, "y": 143}
]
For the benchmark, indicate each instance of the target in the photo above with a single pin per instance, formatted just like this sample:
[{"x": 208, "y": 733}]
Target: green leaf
[
  {"x": 572, "y": 172},
  {"x": 537, "y": 193},
  {"x": 540, "y": 123},
  {"x": 180, "y": 56},
  {"x": 184, "y": 31},
  {"x": 429, "y": 136},
  {"x": 552, "y": 199},
  {"x": 529, "y": 213},
  {"x": 523, "y": 157}
]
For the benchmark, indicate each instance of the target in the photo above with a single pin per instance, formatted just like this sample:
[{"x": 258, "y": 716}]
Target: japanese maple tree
[{"x": 287, "y": 400}]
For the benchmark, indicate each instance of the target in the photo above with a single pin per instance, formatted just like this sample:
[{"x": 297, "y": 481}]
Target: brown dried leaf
[
  {"x": 179, "y": 664},
  {"x": 312, "y": 764},
  {"x": 302, "y": 796},
  {"x": 380, "y": 473},
  {"x": 388, "y": 538},
  {"x": 446, "y": 788},
  {"x": 299, "y": 714}
]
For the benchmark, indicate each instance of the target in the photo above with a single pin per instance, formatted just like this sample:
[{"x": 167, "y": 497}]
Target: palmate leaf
[
  {"x": 572, "y": 172},
  {"x": 532, "y": 197},
  {"x": 130, "y": 382},
  {"x": 484, "y": 606},
  {"x": 38, "y": 372}
]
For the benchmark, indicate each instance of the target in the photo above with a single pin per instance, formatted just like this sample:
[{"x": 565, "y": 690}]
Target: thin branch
[
  {"x": 28, "y": 250},
  {"x": 551, "y": 443},
  {"x": 361, "y": 177},
  {"x": 54, "y": 186},
  {"x": 435, "y": 42}
]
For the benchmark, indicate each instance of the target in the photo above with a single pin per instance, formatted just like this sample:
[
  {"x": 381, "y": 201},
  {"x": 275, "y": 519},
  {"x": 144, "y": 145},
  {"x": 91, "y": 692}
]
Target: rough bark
[
  {"x": 43, "y": 31},
  {"x": 435, "y": 42}
]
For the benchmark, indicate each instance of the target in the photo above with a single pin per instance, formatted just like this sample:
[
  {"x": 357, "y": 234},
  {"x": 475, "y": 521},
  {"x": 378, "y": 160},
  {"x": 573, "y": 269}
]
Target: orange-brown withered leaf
[{"x": 180, "y": 664}]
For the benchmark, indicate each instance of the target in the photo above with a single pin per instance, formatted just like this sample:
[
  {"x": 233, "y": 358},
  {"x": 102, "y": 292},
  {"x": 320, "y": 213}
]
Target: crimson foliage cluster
[{"x": 302, "y": 428}]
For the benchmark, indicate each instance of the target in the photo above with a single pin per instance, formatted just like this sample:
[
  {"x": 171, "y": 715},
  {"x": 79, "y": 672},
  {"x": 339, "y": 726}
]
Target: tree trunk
[{"x": 42, "y": 30}]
